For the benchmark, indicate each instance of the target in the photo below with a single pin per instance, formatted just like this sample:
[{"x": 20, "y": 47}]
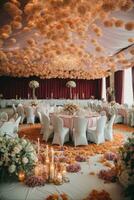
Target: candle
[
  {"x": 38, "y": 150},
  {"x": 52, "y": 154},
  {"x": 37, "y": 171},
  {"x": 21, "y": 176},
  {"x": 52, "y": 171},
  {"x": 46, "y": 150},
  {"x": 64, "y": 172},
  {"x": 83, "y": 95},
  {"x": 59, "y": 177}
]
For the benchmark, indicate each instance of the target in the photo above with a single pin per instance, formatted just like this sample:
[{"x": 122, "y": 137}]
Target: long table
[{"x": 9, "y": 102}]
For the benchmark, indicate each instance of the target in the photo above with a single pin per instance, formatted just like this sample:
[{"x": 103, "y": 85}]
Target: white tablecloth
[
  {"x": 80, "y": 185},
  {"x": 68, "y": 120}
]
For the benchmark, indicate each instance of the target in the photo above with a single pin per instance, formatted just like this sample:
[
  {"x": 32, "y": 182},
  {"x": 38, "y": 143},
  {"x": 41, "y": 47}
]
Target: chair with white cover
[
  {"x": 8, "y": 128},
  {"x": 14, "y": 108},
  {"x": 109, "y": 128},
  {"x": 3, "y": 117},
  {"x": 17, "y": 122},
  {"x": 79, "y": 131},
  {"x": 20, "y": 111},
  {"x": 30, "y": 115},
  {"x": 61, "y": 134},
  {"x": 96, "y": 134},
  {"x": 47, "y": 129}
]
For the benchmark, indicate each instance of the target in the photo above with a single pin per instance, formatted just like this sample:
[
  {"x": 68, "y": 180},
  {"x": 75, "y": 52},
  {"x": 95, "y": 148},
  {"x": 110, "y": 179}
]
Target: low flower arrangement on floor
[
  {"x": 73, "y": 168},
  {"x": 71, "y": 108},
  {"x": 109, "y": 175},
  {"x": 125, "y": 166},
  {"x": 57, "y": 197},
  {"x": 98, "y": 195},
  {"x": 16, "y": 155}
]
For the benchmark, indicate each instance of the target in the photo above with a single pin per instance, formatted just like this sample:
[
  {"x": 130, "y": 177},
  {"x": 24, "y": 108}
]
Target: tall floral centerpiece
[
  {"x": 70, "y": 85},
  {"x": 33, "y": 84},
  {"x": 125, "y": 166},
  {"x": 16, "y": 155},
  {"x": 110, "y": 94}
]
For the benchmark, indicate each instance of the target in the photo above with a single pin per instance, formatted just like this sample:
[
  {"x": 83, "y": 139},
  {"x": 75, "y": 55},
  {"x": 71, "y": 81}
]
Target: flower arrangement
[
  {"x": 33, "y": 181},
  {"x": 16, "y": 154},
  {"x": 71, "y": 84},
  {"x": 125, "y": 167},
  {"x": 63, "y": 196},
  {"x": 110, "y": 156},
  {"x": 80, "y": 158},
  {"x": 71, "y": 108},
  {"x": 109, "y": 175},
  {"x": 110, "y": 94},
  {"x": 33, "y": 84},
  {"x": 73, "y": 168},
  {"x": 98, "y": 195}
]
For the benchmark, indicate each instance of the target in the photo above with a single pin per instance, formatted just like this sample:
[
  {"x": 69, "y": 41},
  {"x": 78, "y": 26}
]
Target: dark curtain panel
[
  {"x": 107, "y": 82},
  {"x": 118, "y": 84},
  {"x": 10, "y": 87}
]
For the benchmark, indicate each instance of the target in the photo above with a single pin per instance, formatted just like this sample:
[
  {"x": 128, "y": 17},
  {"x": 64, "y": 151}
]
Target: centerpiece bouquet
[
  {"x": 110, "y": 94},
  {"x": 125, "y": 167},
  {"x": 33, "y": 85},
  {"x": 71, "y": 108},
  {"x": 71, "y": 84},
  {"x": 16, "y": 154}
]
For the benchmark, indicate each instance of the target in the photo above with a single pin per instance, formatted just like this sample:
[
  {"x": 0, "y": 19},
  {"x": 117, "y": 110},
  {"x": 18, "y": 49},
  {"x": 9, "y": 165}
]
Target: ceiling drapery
[{"x": 66, "y": 38}]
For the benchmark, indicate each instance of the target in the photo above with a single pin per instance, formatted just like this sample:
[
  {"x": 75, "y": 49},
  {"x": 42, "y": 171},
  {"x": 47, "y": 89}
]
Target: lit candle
[
  {"x": 83, "y": 95},
  {"x": 59, "y": 177},
  {"x": 52, "y": 171},
  {"x": 52, "y": 154},
  {"x": 46, "y": 150},
  {"x": 21, "y": 176},
  {"x": 64, "y": 172},
  {"x": 38, "y": 146},
  {"x": 37, "y": 170}
]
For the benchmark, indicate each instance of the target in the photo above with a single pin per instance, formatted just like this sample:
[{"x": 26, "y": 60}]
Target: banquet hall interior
[{"x": 66, "y": 99}]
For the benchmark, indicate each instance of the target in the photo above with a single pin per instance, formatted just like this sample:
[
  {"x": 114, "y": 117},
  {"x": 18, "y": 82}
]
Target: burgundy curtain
[
  {"x": 10, "y": 87},
  {"x": 118, "y": 85}
]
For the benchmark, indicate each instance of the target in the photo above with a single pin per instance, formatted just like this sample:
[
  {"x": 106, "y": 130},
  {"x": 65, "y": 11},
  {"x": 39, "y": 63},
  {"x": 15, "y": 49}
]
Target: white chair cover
[
  {"x": 20, "y": 111},
  {"x": 3, "y": 117},
  {"x": 14, "y": 108},
  {"x": 8, "y": 128},
  {"x": 30, "y": 115},
  {"x": 17, "y": 122},
  {"x": 79, "y": 131},
  {"x": 109, "y": 129},
  {"x": 61, "y": 134},
  {"x": 47, "y": 129},
  {"x": 96, "y": 134}
]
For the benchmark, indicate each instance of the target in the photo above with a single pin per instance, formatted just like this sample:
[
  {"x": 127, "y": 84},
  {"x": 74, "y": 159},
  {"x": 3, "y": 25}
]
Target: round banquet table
[
  {"x": 80, "y": 185},
  {"x": 68, "y": 120}
]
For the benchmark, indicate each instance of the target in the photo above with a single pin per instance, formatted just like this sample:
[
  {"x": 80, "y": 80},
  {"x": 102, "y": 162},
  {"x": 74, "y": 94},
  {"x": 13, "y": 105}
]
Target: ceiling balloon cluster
[{"x": 85, "y": 39}]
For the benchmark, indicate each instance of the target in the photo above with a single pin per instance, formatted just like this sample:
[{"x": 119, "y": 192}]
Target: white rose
[
  {"x": 12, "y": 168},
  {"x": 16, "y": 150},
  {"x": 29, "y": 148},
  {"x": 24, "y": 142},
  {"x": 34, "y": 157},
  {"x": 25, "y": 160}
]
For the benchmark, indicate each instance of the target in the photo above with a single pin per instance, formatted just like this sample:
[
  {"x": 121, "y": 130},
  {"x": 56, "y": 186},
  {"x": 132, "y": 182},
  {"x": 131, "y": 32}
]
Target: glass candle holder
[{"x": 21, "y": 176}]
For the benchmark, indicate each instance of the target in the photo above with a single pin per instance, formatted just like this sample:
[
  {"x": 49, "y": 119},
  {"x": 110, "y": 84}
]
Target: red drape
[
  {"x": 118, "y": 85},
  {"x": 10, "y": 87}
]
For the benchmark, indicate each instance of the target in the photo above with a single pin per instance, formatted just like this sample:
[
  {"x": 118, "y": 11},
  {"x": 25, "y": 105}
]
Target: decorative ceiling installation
[{"x": 66, "y": 38}]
